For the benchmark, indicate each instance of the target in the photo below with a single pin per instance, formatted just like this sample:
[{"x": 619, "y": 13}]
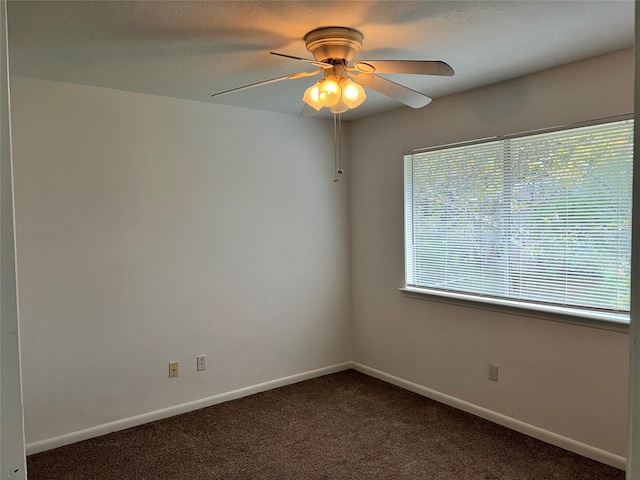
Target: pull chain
[{"x": 337, "y": 146}]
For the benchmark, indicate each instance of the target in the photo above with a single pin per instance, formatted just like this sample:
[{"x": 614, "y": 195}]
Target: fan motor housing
[{"x": 329, "y": 43}]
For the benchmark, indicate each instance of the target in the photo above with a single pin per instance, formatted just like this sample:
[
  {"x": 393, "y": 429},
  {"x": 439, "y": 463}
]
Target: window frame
[{"x": 592, "y": 318}]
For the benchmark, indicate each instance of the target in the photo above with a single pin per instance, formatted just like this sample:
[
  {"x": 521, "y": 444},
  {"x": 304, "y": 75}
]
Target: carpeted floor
[{"x": 345, "y": 426}]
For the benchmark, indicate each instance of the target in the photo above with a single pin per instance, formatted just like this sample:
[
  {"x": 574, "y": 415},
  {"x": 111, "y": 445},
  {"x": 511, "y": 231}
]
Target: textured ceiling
[{"x": 191, "y": 49}]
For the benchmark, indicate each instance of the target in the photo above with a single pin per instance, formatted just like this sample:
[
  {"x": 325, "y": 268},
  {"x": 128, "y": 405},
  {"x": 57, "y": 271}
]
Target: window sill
[{"x": 606, "y": 321}]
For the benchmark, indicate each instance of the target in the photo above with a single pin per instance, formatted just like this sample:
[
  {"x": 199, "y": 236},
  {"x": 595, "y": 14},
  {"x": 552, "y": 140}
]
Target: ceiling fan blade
[
  {"x": 394, "y": 90},
  {"x": 416, "y": 67},
  {"x": 312, "y": 62},
  {"x": 246, "y": 87},
  {"x": 293, "y": 76},
  {"x": 308, "y": 111}
]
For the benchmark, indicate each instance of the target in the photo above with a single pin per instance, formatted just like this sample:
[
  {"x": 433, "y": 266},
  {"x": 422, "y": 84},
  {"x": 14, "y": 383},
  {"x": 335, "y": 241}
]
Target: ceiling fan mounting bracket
[{"x": 334, "y": 43}]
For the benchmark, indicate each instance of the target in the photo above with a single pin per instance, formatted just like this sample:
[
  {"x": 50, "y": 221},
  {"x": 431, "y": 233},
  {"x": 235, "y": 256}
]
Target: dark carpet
[{"x": 341, "y": 426}]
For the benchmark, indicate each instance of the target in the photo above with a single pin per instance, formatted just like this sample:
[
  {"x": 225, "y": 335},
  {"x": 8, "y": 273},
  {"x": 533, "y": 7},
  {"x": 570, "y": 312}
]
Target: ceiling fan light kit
[{"x": 335, "y": 92}]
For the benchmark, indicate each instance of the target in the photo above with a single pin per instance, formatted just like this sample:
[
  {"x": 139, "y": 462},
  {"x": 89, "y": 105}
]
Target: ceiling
[{"x": 189, "y": 50}]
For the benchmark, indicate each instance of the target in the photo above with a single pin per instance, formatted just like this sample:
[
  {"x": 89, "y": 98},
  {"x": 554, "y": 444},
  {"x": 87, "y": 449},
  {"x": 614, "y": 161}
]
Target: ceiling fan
[{"x": 341, "y": 88}]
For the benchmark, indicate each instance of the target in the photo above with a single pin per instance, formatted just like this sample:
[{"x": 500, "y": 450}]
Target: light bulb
[
  {"x": 311, "y": 96},
  {"x": 329, "y": 92},
  {"x": 352, "y": 93}
]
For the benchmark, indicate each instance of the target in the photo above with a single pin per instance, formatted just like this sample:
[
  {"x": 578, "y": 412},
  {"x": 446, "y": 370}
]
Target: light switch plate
[
  {"x": 201, "y": 362},
  {"x": 493, "y": 372}
]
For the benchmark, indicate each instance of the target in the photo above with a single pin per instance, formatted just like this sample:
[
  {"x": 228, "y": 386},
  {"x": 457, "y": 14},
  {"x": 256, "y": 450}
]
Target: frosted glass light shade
[
  {"x": 311, "y": 97},
  {"x": 329, "y": 92},
  {"x": 339, "y": 107},
  {"x": 352, "y": 93}
]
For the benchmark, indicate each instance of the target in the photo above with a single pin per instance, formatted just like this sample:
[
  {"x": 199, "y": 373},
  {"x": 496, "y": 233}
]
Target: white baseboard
[
  {"x": 73, "y": 437},
  {"x": 517, "y": 425}
]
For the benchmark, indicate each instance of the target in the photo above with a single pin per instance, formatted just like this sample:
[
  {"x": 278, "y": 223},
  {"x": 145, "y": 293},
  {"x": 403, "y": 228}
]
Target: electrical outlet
[
  {"x": 493, "y": 372},
  {"x": 173, "y": 369},
  {"x": 201, "y": 362}
]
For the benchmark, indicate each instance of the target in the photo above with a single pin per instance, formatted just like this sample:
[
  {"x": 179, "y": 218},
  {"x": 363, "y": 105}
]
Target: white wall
[
  {"x": 566, "y": 379},
  {"x": 153, "y": 229},
  {"x": 12, "y": 453}
]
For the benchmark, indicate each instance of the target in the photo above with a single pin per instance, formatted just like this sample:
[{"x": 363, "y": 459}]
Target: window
[{"x": 537, "y": 221}]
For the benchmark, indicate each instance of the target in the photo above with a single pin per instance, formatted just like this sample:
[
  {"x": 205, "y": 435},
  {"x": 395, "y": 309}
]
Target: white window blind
[{"x": 540, "y": 219}]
